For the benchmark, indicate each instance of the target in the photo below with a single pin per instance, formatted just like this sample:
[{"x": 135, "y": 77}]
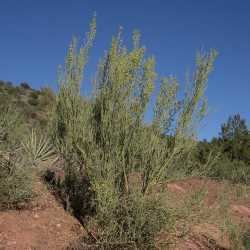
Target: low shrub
[
  {"x": 12, "y": 128},
  {"x": 15, "y": 181},
  {"x": 34, "y": 95},
  {"x": 130, "y": 219},
  {"x": 33, "y": 102},
  {"x": 15, "y": 175},
  {"x": 235, "y": 171},
  {"x": 246, "y": 240},
  {"x": 37, "y": 147}
]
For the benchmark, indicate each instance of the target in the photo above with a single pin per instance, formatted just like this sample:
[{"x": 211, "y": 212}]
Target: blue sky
[{"x": 35, "y": 36}]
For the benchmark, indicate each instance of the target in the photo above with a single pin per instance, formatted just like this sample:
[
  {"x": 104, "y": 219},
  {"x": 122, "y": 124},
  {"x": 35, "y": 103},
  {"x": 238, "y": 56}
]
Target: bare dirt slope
[
  {"x": 44, "y": 225},
  {"x": 210, "y": 214}
]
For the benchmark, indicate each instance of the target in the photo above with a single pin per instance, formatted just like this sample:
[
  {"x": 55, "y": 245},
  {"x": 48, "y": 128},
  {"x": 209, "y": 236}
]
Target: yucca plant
[{"x": 37, "y": 147}]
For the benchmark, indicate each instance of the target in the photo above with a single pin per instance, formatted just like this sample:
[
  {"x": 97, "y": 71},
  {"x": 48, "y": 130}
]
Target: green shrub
[
  {"x": 15, "y": 177},
  {"x": 104, "y": 137},
  {"x": 234, "y": 171},
  {"x": 33, "y": 102},
  {"x": 34, "y": 95},
  {"x": 12, "y": 128},
  {"x": 37, "y": 147},
  {"x": 246, "y": 240},
  {"x": 134, "y": 218},
  {"x": 46, "y": 99},
  {"x": 15, "y": 180}
]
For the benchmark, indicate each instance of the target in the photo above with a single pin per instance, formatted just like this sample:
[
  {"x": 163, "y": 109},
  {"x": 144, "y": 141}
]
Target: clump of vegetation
[
  {"x": 12, "y": 127},
  {"x": 37, "y": 147},
  {"x": 15, "y": 177},
  {"x": 104, "y": 137},
  {"x": 25, "y": 85},
  {"x": 227, "y": 157},
  {"x": 246, "y": 239},
  {"x": 15, "y": 180},
  {"x": 33, "y": 105}
]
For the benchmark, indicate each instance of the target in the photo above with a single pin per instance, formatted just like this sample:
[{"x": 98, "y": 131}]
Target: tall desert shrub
[{"x": 108, "y": 141}]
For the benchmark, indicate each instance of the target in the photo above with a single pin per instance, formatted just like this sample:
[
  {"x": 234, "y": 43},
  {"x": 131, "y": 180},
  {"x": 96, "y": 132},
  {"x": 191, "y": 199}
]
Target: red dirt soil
[
  {"x": 201, "y": 234},
  {"x": 44, "y": 225}
]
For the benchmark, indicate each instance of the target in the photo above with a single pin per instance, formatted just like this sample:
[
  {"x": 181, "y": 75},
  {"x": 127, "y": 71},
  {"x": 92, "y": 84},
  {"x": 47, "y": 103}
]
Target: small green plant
[
  {"x": 34, "y": 95},
  {"x": 10, "y": 122},
  {"x": 246, "y": 240},
  {"x": 33, "y": 102},
  {"x": 15, "y": 177},
  {"x": 234, "y": 233},
  {"x": 15, "y": 180},
  {"x": 37, "y": 148},
  {"x": 233, "y": 170}
]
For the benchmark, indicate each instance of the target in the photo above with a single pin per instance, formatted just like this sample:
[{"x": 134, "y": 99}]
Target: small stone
[
  {"x": 175, "y": 188},
  {"x": 36, "y": 216}
]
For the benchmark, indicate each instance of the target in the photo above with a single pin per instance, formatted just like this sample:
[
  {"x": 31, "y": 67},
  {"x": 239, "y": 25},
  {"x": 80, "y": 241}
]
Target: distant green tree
[
  {"x": 34, "y": 95},
  {"x": 235, "y": 127},
  {"x": 235, "y": 139}
]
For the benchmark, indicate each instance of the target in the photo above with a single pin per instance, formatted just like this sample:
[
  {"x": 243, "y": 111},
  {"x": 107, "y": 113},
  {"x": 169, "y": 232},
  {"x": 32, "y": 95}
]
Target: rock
[
  {"x": 175, "y": 188},
  {"x": 36, "y": 216}
]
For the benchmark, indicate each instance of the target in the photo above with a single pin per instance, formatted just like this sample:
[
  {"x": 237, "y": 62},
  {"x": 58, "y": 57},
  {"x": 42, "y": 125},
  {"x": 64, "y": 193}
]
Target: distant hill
[{"x": 33, "y": 105}]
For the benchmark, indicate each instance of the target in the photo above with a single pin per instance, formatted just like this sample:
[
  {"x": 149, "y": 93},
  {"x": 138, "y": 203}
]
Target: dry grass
[{"x": 202, "y": 211}]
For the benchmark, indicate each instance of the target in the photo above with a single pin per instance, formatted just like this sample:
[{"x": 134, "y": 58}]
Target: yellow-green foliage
[
  {"x": 12, "y": 127},
  {"x": 194, "y": 103},
  {"x": 8, "y": 120},
  {"x": 67, "y": 125},
  {"x": 106, "y": 137},
  {"x": 126, "y": 80}
]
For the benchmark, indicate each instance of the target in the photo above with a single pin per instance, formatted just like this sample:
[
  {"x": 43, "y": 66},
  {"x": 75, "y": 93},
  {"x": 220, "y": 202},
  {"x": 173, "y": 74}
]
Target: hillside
[
  {"x": 32, "y": 105},
  {"x": 209, "y": 212},
  {"x": 84, "y": 170}
]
